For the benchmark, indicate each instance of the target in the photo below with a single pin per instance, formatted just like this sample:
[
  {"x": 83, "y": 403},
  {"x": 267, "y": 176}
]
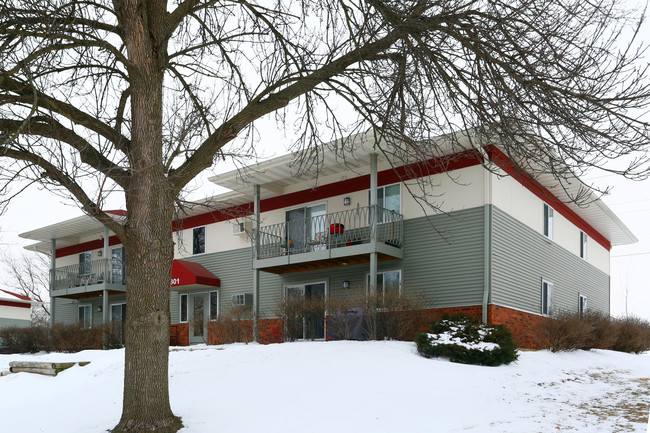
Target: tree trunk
[{"x": 149, "y": 243}]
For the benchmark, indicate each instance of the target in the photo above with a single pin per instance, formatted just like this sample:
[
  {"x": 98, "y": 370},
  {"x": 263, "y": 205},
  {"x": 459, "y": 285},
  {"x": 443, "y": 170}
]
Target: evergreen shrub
[{"x": 463, "y": 339}]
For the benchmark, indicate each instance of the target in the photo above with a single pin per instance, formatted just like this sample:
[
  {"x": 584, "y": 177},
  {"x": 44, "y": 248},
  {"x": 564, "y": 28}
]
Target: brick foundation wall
[
  {"x": 179, "y": 334},
  {"x": 231, "y": 331},
  {"x": 271, "y": 331},
  {"x": 526, "y": 328}
]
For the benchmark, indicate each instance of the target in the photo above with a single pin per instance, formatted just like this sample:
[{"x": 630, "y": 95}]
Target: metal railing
[
  {"x": 334, "y": 230},
  {"x": 84, "y": 274}
]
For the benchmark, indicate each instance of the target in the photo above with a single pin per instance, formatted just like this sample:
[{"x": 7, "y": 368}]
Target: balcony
[
  {"x": 329, "y": 240},
  {"x": 85, "y": 279}
]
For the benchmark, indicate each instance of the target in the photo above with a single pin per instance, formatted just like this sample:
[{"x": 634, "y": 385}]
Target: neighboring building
[
  {"x": 502, "y": 246},
  {"x": 15, "y": 309}
]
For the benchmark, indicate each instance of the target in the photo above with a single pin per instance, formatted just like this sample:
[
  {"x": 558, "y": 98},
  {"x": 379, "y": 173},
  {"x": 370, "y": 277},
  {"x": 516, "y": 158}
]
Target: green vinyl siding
[
  {"x": 234, "y": 269},
  {"x": 521, "y": 257},
  {"x": 444, "y": 257},
  {"x": 66, "y": 311}
]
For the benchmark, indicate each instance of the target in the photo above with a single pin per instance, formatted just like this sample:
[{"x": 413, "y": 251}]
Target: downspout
[
  {"x": 256, "y": 271},
  {"x": 487, "y": 243},
  {"x": 52, "y": 276}
]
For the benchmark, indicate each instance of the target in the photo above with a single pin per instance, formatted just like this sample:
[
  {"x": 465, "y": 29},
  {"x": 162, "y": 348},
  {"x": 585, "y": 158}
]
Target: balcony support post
[
  {"x": 373, "y": 224},
  {"x": 106, "y": 270},
  {"x": 52, "y": 278},
  {"x": 256, "y": 271}
]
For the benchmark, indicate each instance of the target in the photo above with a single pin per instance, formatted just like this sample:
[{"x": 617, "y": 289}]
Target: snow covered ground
[{"x": 342, "y": 387}]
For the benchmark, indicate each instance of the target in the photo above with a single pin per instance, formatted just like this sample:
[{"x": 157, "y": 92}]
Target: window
[
  {"x": 548, "y": 221},
  {"x": 582, "y": 304},
  {"x": 183, "y": 309},
  {"x": 306, "y": 228},
  {"x": 198, "y": 240},
  {"x": 388, "y": 283},
  {"x": 547, "y": 297},
  {"x": 118, "y": 316},
  {"x": 85, "y": 266},
  {"x": 583, "y": 245},
  {"x": 214, "y": 305},
  {"x": 388, "y": 197},
  {"x": 118, "y": 266},
  {"x": 85, "y": 316}
]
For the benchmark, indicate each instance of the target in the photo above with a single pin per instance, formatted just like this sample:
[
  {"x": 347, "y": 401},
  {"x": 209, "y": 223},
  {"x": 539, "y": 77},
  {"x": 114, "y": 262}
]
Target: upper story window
[
  {"x": 547, "y": 297},
  {"x": 548, "y": 221},
  {"x": 198, "y": 240},
  {"x": 583, "y": 245},
  {"x": 388, "y": 197},
  {"x": 84, "y": 262}
]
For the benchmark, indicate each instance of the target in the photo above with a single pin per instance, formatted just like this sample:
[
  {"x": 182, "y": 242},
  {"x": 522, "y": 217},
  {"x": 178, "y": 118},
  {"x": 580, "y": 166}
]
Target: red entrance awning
[{"x": 186, "y": 273}]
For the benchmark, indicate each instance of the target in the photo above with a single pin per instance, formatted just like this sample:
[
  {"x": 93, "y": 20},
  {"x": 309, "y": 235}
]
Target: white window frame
[
  {"x": 205, "y": 239},
  {"x": 383, "y": 187},
  {"x": 326, "y": 294},
  {"x": 180, "y": 307},
  {"x": 583, "y": 305},
  {"x": 90, "y": 307},
  {"x": 216, "y": 317},
  {"x": 584, "y": 239},
  {"x": 547, "y": 297},
  {"x": 399, "y": 288},
  {"x": 110, "y": 317},
  {"x": 549, "y": 221}
]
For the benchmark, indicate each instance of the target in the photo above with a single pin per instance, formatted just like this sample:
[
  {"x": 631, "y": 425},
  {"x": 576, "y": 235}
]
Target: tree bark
[{"x": 148, "y": 230}]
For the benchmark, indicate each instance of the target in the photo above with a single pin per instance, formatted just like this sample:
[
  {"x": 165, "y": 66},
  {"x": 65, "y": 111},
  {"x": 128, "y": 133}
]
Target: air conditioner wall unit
[
  {"x": 242, "y": 227},
  {"x": 241, "y": 299}
]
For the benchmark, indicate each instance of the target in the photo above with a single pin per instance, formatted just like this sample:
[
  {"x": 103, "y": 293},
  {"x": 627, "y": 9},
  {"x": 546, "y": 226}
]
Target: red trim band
[
  {"x": 468, "y": 158},
  {"x": 506, "y": 164}
]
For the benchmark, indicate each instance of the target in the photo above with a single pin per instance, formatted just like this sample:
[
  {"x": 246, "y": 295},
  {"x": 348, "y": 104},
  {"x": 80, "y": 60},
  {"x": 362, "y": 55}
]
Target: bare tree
[
  {"x": 137, "y": 97},
  {"x": 28, "y": 275}
]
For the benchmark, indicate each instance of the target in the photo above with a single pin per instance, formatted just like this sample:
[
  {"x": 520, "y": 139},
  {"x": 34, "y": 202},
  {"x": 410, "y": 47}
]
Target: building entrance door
[{"x": 198, "y": 318}]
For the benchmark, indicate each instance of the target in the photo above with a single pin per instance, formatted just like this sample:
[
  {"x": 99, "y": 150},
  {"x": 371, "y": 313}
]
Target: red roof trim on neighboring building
[
  {"x": 433, "y": 166},
  {"x": 185, "y": 273},
  {"x": 23, "y": 297},
  {"x": 502, "y": 160},
  {"x": 14, "y": 304}
]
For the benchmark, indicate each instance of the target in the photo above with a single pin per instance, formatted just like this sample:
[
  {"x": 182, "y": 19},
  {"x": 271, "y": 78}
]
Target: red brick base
[
  {"x": 525, "y": 327},
  {"x": 179, "y": 334}
]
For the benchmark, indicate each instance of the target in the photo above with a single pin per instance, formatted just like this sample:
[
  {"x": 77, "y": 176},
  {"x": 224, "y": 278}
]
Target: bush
[
  {"x": 568, "y": 331},
  {"x": 234, "y": 325},
  {"x": 58, "y": 338},
  {"x": 302, "y": 317},
  {"x": 390, "y": 315},
  {"x": 595, "y": 330},
  {"x": 25, "y": 340},
  {"x": 632, "y": 335},
  {"x": 463, "y": 339}
]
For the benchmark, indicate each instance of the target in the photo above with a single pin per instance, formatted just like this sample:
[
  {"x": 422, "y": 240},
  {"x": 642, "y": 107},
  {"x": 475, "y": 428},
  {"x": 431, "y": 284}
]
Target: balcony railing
[
  {"x": 334, "y": 230},
  {"x": 86, "y": 274}
]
